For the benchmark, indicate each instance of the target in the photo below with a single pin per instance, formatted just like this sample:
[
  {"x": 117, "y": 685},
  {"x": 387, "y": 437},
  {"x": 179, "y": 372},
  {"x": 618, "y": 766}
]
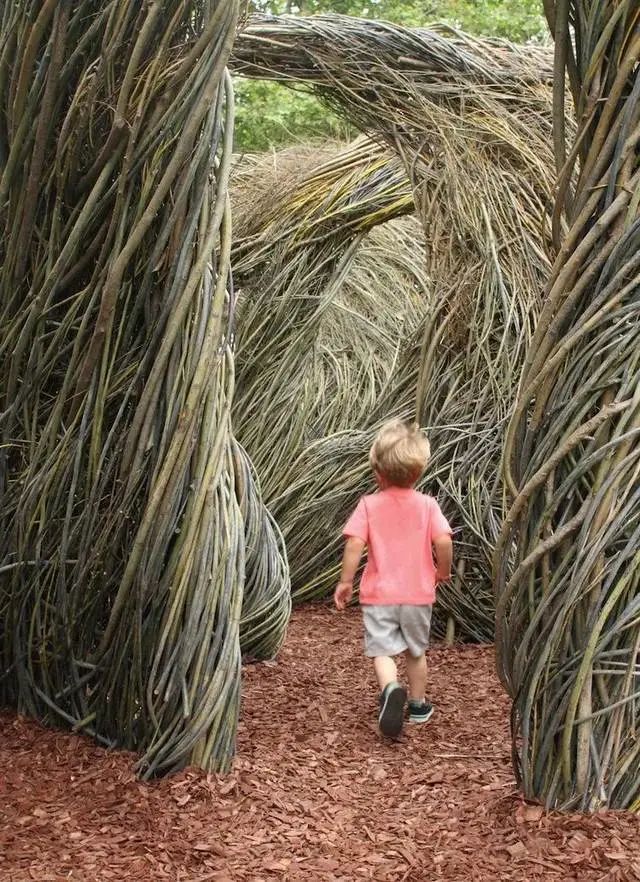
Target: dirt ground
[{"x": 315, "y": 793}]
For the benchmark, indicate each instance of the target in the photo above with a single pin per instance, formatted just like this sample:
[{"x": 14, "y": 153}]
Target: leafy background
[{"x": 269, "y": 115}]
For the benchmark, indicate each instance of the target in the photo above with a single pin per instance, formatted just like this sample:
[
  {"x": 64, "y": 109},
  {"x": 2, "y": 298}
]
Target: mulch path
[{"x": 315, "y": 793}]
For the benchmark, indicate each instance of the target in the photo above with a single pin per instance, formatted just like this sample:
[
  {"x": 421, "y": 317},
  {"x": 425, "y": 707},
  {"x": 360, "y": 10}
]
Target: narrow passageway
[{"x": 315, "y": 794}]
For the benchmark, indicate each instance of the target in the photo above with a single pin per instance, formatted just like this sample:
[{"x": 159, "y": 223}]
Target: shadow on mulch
[{"x": 315, "y": 793}]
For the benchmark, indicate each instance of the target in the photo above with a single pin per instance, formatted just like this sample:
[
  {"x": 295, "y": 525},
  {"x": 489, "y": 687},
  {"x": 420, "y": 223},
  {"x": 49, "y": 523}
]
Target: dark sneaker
[
  {"x": 392, "y": 702},
  {"x": 420, "y": 712}
]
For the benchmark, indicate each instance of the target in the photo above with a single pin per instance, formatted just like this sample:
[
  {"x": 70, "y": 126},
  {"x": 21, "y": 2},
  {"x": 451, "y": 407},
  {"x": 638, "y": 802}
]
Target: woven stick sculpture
[
  {"x": 317, "y": 254},
  {"x": 568, "y": 561},
  {"x": 291, "y": 269},
  {"x": 125, "y": 501},
  {"x": 321, "y": 361},
  {"x": 471, "y": 121}
]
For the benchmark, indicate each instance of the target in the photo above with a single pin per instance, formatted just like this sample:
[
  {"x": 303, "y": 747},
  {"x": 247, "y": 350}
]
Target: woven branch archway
[
  {"x": 471, "y": 122},
  {"x": 320, "y": 244},
  {"x": 567, "y": 566}
]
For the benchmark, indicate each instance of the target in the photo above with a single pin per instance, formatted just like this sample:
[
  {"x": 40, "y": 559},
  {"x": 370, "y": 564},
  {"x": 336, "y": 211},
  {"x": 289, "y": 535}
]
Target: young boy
[{"x": 401, "y": 528}]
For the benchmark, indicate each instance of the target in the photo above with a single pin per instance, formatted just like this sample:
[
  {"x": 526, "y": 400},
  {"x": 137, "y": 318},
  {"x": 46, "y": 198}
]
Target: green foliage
[
  {"x": 517, "y": 20},
  {"x": 270, "y": 115},
  {"x": 513, "y": 20},
  {"x": 408, "y": 12}
]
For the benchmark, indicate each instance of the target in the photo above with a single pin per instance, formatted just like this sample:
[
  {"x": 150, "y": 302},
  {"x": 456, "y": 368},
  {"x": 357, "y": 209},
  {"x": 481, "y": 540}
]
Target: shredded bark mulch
[{"x": 315, "y": 793}]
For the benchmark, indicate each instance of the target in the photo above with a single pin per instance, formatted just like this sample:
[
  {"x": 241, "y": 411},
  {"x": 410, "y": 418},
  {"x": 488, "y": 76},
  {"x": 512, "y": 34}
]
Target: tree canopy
[
  {"x": 517, "y": 20},
  {"x": 270, "y": 115}
]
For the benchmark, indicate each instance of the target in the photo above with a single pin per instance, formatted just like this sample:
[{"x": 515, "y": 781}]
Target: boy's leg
[
  {"x": 392, "y": 696},
  {"x": 383, "y": 640},
  {"x": 416, "y": 624},
  {"x": 386, "y": 671},
  {"x": 417, "y": 676}
]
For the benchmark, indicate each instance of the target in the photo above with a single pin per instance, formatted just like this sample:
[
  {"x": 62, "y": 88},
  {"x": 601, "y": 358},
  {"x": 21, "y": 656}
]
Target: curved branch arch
[{"x": 471, "y": 121}]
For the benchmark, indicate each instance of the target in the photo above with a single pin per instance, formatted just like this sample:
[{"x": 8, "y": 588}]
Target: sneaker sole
[
  {"x": 392, "y": 714},
  {"x": 423, "y": 718}
]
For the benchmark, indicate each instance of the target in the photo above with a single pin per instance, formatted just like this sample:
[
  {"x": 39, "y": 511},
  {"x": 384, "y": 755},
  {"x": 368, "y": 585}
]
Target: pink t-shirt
[{"x": 399, "y": 526}]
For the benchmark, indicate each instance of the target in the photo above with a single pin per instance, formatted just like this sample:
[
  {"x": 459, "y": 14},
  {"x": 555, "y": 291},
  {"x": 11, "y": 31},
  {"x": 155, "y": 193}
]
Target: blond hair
[{"x": 400, "y": 453}]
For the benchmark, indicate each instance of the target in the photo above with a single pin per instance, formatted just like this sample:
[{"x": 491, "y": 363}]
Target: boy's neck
[{"x": 383, "y": 484}]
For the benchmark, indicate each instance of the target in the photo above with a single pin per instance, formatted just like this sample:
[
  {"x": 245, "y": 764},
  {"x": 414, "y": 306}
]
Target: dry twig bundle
[{"x": 126, "y": 504}]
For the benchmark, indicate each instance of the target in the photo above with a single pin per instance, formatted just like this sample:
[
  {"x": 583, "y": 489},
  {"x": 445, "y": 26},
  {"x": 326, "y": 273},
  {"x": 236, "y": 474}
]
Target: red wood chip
[{"x": 316, "y": 794}]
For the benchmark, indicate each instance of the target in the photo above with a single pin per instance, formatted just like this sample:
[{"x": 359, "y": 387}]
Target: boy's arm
[
  {"x": 443, "y": 547},
  {"x": 353, "y": 550}
]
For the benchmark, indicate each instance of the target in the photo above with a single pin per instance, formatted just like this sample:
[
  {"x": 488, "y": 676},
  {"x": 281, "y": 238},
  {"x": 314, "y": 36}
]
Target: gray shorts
[{"x": 390, "y": 630}]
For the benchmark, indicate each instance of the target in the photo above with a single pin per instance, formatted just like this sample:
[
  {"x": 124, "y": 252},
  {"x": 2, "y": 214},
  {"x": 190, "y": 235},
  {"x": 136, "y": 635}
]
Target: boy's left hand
[{"x": 342, "y": 595}]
